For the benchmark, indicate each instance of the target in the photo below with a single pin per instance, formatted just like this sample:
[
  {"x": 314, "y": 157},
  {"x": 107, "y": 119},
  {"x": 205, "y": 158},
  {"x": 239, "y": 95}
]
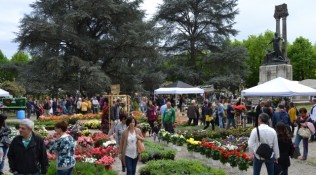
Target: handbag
[
  {"x": 208, "y": 118},
  {"x": 140, "y": 146},
  {"x": 264, "y": 149},
  {"x": 278, "y": 170},
  {"x": 304, "y": 132}
]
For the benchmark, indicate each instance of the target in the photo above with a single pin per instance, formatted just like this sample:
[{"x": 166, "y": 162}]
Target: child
[{"x": 155, "y": 130}]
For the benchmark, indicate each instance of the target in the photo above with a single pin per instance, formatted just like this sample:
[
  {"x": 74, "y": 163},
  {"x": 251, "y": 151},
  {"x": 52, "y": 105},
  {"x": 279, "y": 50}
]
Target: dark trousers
[
  {"x": 151, "y": 123},
  {"x": 195, "y": 121},
  {"x": 168, "y": 127},
  {"x": 208, "y": 124},
  {"x": 131, "y": 165}
]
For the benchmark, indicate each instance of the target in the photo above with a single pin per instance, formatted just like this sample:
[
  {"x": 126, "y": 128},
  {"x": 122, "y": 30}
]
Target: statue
[
  {"x": 276, "y": 56},
  {"x": 276, "y": 45}
]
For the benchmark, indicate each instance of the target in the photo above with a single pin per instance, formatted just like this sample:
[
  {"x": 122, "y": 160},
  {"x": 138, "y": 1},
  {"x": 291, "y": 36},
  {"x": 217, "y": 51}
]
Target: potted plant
[{"x": 144, "y": 127}]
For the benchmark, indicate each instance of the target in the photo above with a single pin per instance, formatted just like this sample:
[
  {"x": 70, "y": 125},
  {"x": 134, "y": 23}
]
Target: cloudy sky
[{"x": 255, "y": 17}]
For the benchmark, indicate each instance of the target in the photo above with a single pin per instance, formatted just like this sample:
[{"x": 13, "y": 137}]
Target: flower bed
[
  {"x": 179, "y": 167},
  {"x": 155, "y": 151},
  {"x": 218, "y": 134},
  {"x": 97, "y": 149},
  {"x": 230, "y": 150},
  {"x": 72, "y": 117}
]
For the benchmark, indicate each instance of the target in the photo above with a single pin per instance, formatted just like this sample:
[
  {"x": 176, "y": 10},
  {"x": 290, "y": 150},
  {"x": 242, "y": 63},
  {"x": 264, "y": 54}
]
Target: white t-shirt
[
  {"x": 313, "y": 113},
  {"x": 131, "y": 148}
]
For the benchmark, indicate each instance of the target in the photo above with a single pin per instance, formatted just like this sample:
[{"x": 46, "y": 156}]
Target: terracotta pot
[{"x": 144, "y": 134}]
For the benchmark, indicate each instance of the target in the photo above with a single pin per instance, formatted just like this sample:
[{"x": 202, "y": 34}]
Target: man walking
[
  {"x": 220, "y": 113},
  {"x": 230, "y": 115},
  {"x": 169, "y": 117},
  {"x": 267, "y": 136},
  {"x": 27, "y": 152}
]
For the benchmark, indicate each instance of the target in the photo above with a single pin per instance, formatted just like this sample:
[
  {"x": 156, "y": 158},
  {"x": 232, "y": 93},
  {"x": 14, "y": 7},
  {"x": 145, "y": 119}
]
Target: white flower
[
  {"x": 90, "y": 160},
  {"x": 109, "y": 143}
]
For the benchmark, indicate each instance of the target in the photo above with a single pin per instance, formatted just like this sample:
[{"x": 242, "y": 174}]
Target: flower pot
[{"x": 144, "y": 134}]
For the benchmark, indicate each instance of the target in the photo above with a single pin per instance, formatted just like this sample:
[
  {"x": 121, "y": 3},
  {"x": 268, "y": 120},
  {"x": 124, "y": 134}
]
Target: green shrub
[
  {"x": 156, "y": 152},
  {"x": 179, "y": 167},
  {"x": 82, "y": 168}
]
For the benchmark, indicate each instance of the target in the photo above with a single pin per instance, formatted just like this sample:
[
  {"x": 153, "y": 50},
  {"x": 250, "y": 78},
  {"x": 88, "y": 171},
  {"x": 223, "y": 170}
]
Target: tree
[
  {"x": 6, "y": 74},
  {"x": 257, "y": 47},
  {"x": 231, "y": 74},
  {"x": 302, "y": 59},
  {"x": 194, "y": 28},
  {"x": 20, "y": 57},
  {"x": 13, "y": 88},
  {"x": 107, "y": 42}
]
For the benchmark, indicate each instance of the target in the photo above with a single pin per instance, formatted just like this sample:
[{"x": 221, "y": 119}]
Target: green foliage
[
  {"x": 20, "y": 57},
  {"x": 155, "y": 152},
  {"x": 83, "y": 168},
  {"x": 193, "y": 29},
  {"x": 303, "y": 59},
  {"x": 13, "y": 88},
  {"x": 231, "y": 74},
  {"x": 106, "y": 42},
  {"x": 4, "y": 74},
  {"x": 257, "y": 47},
  {"x": 169, "y": 167}
]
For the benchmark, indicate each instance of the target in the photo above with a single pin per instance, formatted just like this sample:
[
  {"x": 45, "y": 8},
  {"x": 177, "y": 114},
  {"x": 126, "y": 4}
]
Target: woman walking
[
  {"x": 209, "y": 118},
  {"x": 64, "y": 147},
  {"x": 128, "y": 146},
  {"x": 286, "y": 148},
  {"x": 301, "y": 122}
]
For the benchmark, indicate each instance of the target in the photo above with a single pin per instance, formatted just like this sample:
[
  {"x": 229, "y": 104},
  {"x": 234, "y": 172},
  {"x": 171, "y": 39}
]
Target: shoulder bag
[
  {"x": 304, "y": 132},
  {"x": 264, "y": 149}
]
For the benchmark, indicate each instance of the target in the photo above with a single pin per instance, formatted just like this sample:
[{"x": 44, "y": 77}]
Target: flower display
[
  {"x": 99, "y": 152},
  {"x": 75, "y": 116},
  {"x": 91, "y": 124},
  {"x": 107, "y": 161},
  {"x": 109, "y": 143},
  {"x": 144, "y": 127}
]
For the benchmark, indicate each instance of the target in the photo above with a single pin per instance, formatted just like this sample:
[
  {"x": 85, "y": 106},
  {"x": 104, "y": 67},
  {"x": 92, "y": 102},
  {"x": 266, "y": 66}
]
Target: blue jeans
[
  {"x": 4, "y": 150},
  {"x": 230, "y": 121},
  {"x": 257, "y": 164},
  {"x": 220, "y": 121},
  {"x": 130, "y": 165},
  {"x": 65, "y": 172},
  {"x": 298, "y": 139}
]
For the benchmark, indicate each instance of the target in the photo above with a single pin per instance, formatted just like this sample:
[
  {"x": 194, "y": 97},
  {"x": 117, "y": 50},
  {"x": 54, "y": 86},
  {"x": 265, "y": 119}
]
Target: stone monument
[{"x": 276, "y": 63}]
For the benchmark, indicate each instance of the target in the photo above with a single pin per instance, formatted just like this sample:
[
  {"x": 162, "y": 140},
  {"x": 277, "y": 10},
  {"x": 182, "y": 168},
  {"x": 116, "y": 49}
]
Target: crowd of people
[{"x": 277, "y": 128}]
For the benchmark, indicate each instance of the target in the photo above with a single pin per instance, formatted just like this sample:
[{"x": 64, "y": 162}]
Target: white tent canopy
[
  {"x": 4, "y": 93},
  {"x": 280, "y": 87},
  {"x": 177, "y": 90}
]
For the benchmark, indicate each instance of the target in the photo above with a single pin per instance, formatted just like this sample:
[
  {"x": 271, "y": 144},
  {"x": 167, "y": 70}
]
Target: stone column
[
  {"x": 284, "y": 36},
  {"x": 277, "y": 29}
]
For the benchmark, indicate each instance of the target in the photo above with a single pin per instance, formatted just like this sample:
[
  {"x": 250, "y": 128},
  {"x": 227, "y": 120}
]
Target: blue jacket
[{"x": 281, "y": 116}]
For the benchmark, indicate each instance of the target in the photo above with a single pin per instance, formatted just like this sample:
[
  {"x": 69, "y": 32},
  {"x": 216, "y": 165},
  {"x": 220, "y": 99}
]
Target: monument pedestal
[{"x": 269, "y": 72}]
